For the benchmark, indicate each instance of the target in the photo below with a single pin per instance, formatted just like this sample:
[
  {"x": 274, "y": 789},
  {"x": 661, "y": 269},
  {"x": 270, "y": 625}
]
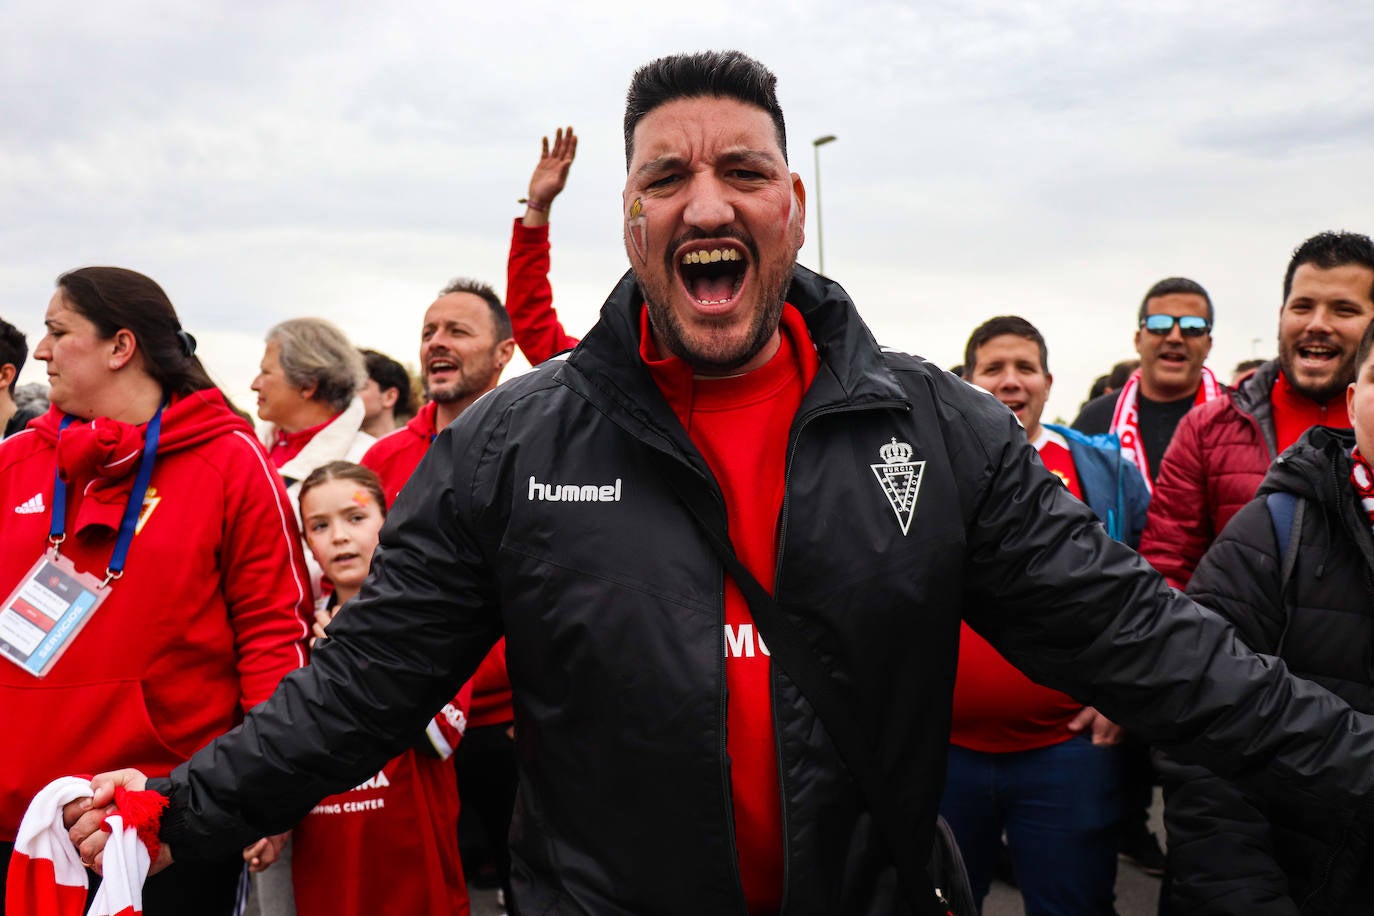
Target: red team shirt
[
  {"x": 1295, "y": 414},
  {"x": 740, "y": 425},
  {"x": 997, "y": 709},
  {"x": 390, "y": 844}
]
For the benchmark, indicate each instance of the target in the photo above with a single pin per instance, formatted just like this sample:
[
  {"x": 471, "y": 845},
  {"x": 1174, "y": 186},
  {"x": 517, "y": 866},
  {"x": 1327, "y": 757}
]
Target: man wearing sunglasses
[
  {"x": 1173, "y": 338},
  {"x": 1221, "y": 451}
]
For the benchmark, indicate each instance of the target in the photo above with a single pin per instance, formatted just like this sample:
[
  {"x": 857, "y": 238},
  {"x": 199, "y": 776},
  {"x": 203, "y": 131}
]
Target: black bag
[{"x": 947, "y": 873}]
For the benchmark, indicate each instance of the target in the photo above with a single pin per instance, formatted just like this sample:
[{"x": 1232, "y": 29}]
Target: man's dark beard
[
  {"x": 669, "y": 331},
  {"x": 1344, "y": 375},
  {"x": 466, "y": 387}
]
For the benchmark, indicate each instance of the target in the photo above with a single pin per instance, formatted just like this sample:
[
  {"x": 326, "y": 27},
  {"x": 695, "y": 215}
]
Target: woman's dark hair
[
  {"x": 115, "y": 299},
  {"x": 344, "y": 470}
]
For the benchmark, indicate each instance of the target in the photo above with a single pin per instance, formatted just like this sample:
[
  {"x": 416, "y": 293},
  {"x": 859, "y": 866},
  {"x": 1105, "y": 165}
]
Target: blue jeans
[{"x": 1059, "y": 807}]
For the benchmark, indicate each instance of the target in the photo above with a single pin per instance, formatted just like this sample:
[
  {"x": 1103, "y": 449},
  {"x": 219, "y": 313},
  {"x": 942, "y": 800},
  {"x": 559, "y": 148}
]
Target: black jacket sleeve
[
  {"x": 1083, "y": 614},
  {"x": 423, "y": 622},
  {"x": 1221, "y": 847}
]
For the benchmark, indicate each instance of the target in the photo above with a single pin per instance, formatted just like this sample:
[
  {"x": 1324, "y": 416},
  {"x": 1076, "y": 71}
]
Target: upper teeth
[{"x": 709, "y": 257}]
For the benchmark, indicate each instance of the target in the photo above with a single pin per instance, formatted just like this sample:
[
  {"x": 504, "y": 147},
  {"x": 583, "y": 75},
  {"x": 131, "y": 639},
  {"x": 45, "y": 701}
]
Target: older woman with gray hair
[{"x": 307, "y": 387}]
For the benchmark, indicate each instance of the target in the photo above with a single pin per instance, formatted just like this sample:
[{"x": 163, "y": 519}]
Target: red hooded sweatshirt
[{"x": 210, "y": 613}]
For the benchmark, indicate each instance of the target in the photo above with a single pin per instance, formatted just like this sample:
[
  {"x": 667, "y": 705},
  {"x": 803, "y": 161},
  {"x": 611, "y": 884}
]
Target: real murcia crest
[{"x": 900, "y": 478}]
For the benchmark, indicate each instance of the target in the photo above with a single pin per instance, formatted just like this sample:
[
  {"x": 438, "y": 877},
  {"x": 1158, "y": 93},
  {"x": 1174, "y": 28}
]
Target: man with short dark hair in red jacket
[{"x": 1221, "y": 450}]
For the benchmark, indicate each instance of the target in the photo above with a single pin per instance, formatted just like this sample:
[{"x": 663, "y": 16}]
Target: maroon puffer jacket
[{"x": 1215, "y": 462}]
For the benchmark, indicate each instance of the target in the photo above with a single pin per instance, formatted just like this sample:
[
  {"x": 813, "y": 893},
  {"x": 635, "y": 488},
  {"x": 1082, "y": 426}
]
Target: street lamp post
[{"x": 816, "y": 145}]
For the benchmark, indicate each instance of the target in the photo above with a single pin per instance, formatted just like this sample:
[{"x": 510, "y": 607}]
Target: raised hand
[{"x": 551, "y": 172}]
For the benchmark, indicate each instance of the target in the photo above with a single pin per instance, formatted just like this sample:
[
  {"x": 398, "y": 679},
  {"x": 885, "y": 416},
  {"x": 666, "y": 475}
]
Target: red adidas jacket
[{"x": 210, "y": 614}]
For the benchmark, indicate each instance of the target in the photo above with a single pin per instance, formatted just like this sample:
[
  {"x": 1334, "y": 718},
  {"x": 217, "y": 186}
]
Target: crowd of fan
[{"x": 1039, "y": 790}]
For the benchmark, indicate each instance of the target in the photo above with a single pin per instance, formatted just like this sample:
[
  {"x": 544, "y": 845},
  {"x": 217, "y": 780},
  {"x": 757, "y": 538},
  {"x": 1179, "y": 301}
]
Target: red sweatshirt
[
  {"x": 740, "y": 425},
  {"x": 211, "y": 611},
  {"x": 997, "y": 709},
  {"x": 529, "y": 298},
  {"x": 390, "y": 844},
  {"x": 395, "y": 456},
  {"x": 1295, "y": 414}
]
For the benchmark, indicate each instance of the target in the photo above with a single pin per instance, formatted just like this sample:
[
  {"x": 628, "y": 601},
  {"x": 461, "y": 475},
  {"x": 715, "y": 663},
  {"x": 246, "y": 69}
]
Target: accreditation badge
[{"x": 41, "y": 618}]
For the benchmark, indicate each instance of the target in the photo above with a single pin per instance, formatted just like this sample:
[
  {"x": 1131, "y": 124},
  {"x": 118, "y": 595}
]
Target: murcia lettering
[
  {"x": 575, "y": 492},
  {"x": 743, "y": 641},
  {"x": 900, "y": 478}
]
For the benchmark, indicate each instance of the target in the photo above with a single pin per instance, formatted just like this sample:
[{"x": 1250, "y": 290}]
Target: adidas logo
[{"x": 31, "y": 506}]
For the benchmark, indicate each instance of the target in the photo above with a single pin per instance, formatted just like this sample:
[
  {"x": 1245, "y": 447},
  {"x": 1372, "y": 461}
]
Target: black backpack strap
[
  {"x": 842, "y": 721},
  {"x": 1285, "y": 512}
]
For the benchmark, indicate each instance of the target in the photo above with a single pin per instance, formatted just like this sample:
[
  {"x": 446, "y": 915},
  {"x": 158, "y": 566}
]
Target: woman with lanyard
[{"x": 152, "y": 576}]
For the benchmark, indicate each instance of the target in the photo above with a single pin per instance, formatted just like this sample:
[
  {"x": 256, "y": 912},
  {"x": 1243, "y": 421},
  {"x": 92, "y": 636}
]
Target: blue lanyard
[{"x": 57, "y": 531}]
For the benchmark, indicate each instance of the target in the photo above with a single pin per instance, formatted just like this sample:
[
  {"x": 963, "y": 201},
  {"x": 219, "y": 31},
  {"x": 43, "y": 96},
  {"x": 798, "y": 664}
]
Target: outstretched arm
[{"x": 529, "y": 297}]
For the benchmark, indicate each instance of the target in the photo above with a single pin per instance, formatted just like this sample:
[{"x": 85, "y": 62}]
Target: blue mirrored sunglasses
[{"x": 1188, "y": 325}]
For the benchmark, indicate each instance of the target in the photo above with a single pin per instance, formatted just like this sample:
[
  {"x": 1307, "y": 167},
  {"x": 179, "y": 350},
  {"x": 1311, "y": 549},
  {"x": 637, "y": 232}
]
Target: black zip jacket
[
  {"x": 1236, "y": 852},
  {"x": 613, "y": 612}
]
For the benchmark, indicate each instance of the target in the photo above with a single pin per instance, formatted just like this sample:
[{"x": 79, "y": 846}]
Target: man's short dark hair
[
  {"x": 14, "y": 349},
  {"x": 388, "y": 373},
  {"x": 724, "y": 74},
  {"x": 500, "y": 318},
  {"x": 1173, "y": 285},
  {"x": 1327, "y": 250},
  {"x": 996, "y": 327}
]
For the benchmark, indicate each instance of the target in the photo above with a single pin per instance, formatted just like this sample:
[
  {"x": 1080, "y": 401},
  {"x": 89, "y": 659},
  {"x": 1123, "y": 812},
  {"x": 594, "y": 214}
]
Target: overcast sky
[{"x": 1052, "y": 160}]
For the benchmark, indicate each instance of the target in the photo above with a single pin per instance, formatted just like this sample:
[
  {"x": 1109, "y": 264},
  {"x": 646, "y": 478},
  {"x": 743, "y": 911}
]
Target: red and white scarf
[
  {"x": 46, "y": 877},
  {"x": 1362, "y": 479},
  {"x": 1126, "y": 417}
]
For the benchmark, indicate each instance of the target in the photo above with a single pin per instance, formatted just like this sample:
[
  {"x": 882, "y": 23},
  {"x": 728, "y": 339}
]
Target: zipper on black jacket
[
  {"x": 727, "y": 777},
  {"x": 777, "y": 583}
]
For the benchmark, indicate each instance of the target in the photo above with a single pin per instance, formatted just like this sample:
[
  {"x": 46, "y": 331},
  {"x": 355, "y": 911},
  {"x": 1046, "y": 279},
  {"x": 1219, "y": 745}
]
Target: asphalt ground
[{"x": 1137, "y": 894}]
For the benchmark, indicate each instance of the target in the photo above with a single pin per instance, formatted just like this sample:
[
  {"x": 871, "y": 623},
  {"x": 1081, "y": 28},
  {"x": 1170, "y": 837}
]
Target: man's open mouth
[
  {"x": 1318, "y": 352},
  {"x": 441, "y": 364},
  {"x": 713, "y": 276}
]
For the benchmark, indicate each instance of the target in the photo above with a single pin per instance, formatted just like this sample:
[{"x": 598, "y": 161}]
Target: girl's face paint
[
  {"x": 342, "y": 523},
  {"x": 637, "y": 230}
]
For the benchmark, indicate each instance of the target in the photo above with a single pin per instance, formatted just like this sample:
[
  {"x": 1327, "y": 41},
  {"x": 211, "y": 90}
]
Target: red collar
[
  {"x": 289, "y": 445},
  {"x": 686, "y": 393}
]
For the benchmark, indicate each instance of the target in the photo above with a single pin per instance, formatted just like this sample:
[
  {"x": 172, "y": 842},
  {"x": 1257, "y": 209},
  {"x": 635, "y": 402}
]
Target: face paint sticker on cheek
[{"x": 637, "y": 230}]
